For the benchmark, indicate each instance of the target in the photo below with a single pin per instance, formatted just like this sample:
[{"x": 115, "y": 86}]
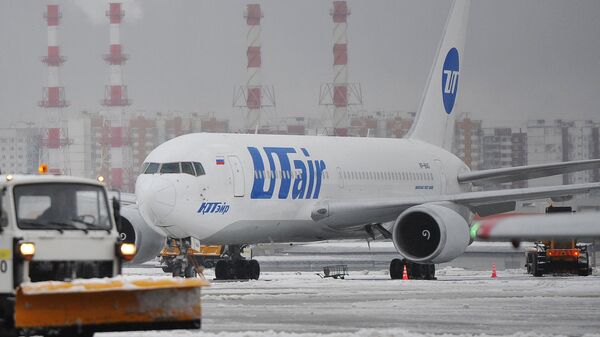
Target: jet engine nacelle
[
  {"x": 430, "y": 233},
  {"x": 148, "y": 241}
]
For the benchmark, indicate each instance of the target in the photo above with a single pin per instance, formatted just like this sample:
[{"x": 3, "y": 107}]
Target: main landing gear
[
  {"x": 415, "y": 271},
  {"x": 233, "y": 266}
]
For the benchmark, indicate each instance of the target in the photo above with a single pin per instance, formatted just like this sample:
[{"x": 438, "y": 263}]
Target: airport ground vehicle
[
  {"x": 61, "y": 260},
  {"x": 558, "y": 256}
]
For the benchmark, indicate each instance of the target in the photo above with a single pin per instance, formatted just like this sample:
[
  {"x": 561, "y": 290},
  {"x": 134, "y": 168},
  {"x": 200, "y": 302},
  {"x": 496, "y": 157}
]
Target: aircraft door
[
  {"x": 237, "y": 172},
  {"x": 441, "y": 176},
  {"x": 340, "y": 177}
]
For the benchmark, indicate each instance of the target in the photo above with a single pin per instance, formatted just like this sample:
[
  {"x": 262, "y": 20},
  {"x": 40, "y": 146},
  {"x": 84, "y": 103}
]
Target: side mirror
[
  {"x": 3, "y": 218},
  {"x": 117, "y": 213}
]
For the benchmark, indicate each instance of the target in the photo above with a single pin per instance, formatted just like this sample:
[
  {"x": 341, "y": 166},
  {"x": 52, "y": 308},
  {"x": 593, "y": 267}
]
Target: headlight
[
  {"x": 127, "y": 251},
  {"x": 27, "y": 250}
]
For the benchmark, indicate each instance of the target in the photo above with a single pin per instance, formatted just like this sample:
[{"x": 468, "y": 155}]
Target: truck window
[{"x": 64, "y": 206}]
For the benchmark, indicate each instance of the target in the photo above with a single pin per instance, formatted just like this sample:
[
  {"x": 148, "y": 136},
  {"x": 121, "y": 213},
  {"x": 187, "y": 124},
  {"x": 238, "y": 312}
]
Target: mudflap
[{"x": 102, "y": 305}]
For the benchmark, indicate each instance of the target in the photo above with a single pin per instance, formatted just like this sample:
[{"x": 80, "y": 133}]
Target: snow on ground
[{"x": 369, "y": 304}]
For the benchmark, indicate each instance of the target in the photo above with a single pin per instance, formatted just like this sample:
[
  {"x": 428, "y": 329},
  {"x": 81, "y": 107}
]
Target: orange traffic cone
[
  {"x": 404, "y": 274},
  {"x": 494, "y": 275}
]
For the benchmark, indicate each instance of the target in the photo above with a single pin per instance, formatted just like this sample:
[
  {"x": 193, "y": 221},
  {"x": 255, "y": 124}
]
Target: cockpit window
[
  {"x": 186, "y": 167},
  {"x": 170, "y": 168},
  {"x": 152, "y": 168},
  {"x": 199, "y": 169},
  {"x": 191, "y": 168}
]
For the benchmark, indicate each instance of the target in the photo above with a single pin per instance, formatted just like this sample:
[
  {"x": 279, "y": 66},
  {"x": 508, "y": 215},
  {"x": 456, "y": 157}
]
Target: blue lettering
[
  {"x": 320, "y": 166},
  {"x": 258, "y": 186},
  {"x": 202, "y": 207},
  {"x": 307, "y": 174},
  {"x": 284, "y": 162},
  {"x": 300, "y": 181},
  {"x": 311, "y": 179},
  {"x": 213, "y": 207}
]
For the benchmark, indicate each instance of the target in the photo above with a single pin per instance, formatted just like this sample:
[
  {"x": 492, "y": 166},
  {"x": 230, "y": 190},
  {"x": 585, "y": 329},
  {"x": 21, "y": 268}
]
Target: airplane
[{"x": 243, "y": 189}]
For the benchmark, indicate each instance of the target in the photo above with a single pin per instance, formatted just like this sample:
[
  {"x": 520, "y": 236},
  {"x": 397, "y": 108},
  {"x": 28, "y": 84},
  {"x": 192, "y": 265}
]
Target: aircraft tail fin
[{"x": 434, "y": 122}]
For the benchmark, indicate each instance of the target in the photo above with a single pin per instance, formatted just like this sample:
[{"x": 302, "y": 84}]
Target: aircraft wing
[
  {"x": 347, "y": 214},
  {"x": 540, "y": 227},
  {"x": 508, "y": 174}
]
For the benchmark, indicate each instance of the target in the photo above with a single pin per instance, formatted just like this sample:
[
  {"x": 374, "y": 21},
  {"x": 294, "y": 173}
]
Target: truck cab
[
  {"x": 56, "y": 229},
  {"x": 558, "y": 256},
  {"x": 60, "y": 258}
]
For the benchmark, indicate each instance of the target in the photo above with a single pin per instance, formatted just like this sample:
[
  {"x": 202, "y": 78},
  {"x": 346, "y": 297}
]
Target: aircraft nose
[{"x": 156, "y": 198}]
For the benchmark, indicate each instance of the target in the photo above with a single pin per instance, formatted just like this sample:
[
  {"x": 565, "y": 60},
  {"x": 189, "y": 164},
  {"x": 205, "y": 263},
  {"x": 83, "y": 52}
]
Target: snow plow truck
[{"x": 60, "y": 265}]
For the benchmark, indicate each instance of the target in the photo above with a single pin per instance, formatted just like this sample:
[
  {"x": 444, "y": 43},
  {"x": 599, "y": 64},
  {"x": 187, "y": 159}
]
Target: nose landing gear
[{"x": 180, "y": 259}]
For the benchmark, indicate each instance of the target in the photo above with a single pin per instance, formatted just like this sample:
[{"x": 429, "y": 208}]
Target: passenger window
[
  {"x": 152, "y": 168},
  {"x": 199, "y": 169},
  {"x": 170, "y": 168},
  {"x": 188, "y": 168}
]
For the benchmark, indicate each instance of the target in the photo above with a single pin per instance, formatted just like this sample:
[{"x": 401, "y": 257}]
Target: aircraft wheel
[
  {"x": 177, "y": 270},
  {"x": 241, "y": 269},
  {"x": 221, "y": 270},
  {"x": 253, "y": 270},
  {"x": 396, "y": 269},
  {"x": 430, "y": 271},
  {"x": 190, "y": 271}
]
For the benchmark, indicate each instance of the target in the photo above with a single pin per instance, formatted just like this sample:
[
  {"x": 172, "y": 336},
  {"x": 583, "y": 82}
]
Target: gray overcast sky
[{"x": 524, "y": 59}]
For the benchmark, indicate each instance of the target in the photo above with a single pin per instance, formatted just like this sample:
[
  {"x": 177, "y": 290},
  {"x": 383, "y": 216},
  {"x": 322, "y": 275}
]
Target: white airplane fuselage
[{"x": 263, "y": 188}]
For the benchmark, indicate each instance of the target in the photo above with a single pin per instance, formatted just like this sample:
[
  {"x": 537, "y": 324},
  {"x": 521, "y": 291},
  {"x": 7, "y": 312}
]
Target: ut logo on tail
[
  {"x": 450, "y": 74},
  {"x": 450, "y": 87}
]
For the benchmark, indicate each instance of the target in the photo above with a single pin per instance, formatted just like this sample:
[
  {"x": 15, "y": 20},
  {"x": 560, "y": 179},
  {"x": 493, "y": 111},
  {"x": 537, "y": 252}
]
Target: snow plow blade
[{"x": 109, "y": 305}]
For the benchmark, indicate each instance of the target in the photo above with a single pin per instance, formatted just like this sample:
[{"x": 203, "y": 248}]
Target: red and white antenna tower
[
  {"x": 55, "y": 141},
  {"x": 253, "y": 96},
  {"x": 340, "y": 94},
  {"x": 114, "y": 152}
]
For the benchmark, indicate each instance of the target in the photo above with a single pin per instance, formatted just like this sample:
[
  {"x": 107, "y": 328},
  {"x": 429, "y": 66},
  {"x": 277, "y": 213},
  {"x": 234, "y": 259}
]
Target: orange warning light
[{"x": 43, "y": 169}]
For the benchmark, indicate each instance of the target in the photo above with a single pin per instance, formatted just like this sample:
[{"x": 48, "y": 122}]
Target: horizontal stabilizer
[
  {"x": 540, "y": 227},
  {"x": 509, "y": 174}
]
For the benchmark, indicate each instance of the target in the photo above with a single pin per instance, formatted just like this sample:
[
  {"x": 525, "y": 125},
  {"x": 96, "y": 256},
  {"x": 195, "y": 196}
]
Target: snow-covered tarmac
[{"x": 369, "y": 304}]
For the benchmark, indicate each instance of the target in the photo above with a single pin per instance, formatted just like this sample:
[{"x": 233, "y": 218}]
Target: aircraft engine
[
  {"x": 134, "y": 229},
  {"x": 431, "y": 233}
]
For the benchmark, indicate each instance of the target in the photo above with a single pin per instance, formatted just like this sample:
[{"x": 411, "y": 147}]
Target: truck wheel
[
  {"x": 535, "y": 268},
  {"x": 584, "y": 271}
]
